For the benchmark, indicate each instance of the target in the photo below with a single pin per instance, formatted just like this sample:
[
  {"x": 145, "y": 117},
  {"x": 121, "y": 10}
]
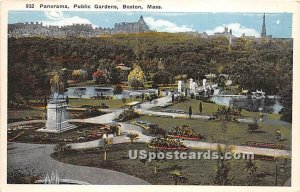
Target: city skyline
[{"x": 279, "y": 25}]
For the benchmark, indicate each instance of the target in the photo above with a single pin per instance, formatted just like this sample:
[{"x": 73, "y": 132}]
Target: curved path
[{"x": 37, "y": 157}]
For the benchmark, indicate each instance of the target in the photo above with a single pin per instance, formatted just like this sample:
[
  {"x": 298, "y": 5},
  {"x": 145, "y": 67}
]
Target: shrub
[
  {"x": 118, "y": 90},
  {"x": 22, "y": 176},
  {"x": 127, "y": 115}
]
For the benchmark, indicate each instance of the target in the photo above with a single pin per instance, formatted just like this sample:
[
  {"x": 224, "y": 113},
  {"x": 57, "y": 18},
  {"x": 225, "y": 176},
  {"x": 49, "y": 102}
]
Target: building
[
  {"x": 263, "y": 28},
  {"x": 135, "y": 27},
  {"x": 76, "y": 30}
]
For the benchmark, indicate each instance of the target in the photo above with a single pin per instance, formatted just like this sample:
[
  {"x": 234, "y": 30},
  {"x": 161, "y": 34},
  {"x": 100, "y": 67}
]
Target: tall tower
[
  {"x": 143, "y": 27},
  {"x": 263, "y": 28}
]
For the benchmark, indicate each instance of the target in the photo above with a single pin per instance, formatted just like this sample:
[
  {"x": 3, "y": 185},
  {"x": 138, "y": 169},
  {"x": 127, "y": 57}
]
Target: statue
[{"x": 57, "y": 85}]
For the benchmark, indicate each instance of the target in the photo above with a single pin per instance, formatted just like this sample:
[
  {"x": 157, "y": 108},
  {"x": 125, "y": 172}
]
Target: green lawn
[
  {"x": 23, "y": 114},
  {"x": 198, "y": 172},
  {"x": 236, "y": 133},
  {"x": 210, "y": 108},
  {"x": 111, "y": 103},
  {"x": 207, "y": 108}
]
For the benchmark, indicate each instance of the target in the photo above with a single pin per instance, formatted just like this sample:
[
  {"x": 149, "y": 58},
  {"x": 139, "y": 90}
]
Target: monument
[
  {"x": 57, "y": 117},
  {"x": 57, "y": 109}
]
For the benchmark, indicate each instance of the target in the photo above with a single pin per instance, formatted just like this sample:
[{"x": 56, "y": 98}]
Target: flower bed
[
  {"x": 227, "y": 114},
  {"x": 264, "y": 158},
  {"x": 127, "y": 115},
  {"x": 186, "y": 137},
  {"x": 83, "y": 133},
  {"x": 169, "y": 148},
  {"x": 184, "y": 132},
  {"x": 166, "y": 144},
  {"x": 263, "y": 144}
]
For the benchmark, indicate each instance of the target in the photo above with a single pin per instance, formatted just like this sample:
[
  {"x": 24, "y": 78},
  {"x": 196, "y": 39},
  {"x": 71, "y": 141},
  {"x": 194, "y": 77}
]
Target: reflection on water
[
  {"x": 88, "y": 92},
  {"x": 266, "y": 105}
]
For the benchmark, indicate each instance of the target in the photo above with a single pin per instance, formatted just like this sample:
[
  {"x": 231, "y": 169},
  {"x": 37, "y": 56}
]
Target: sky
[{"x": 278, "y": 25}]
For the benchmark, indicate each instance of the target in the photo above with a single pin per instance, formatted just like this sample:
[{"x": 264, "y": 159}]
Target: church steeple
[
  {"x": 263, "y": 28},
  {"x": 141, "y": 20}
]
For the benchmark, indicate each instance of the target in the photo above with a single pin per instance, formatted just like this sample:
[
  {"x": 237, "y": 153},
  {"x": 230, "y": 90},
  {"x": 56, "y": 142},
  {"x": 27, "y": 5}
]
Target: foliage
[
  {"x": 155, "y": 130},
  {"x": 22, "y": 176},
  {"x": 252, "y": 64},
  {"x": 115, "y": 76},
  {"x": 127, "y": 115},
  {"x": 227, "y": 114},
  {"x": 132, "y": 136},
  {"x": 176, "y": 175},
  {"x": 251, "y": 168},
  {"x": 118, "y": 90},
  {"x": 185, "y": 131},
  {"x": 79, "y": 75},
  {"x": 200, "y": 107},
  {"x": 253, "y": 126},
  {"x": 162, "y": 77},
  {"x": 155, "y": 163},
  {"x": 62, "y": 148},
  {"x": 167, "y": 143},
  {"x": 136, "y": 77},
  {"x": 222, "y": 176},
  {"x": 99, "y": 76}
]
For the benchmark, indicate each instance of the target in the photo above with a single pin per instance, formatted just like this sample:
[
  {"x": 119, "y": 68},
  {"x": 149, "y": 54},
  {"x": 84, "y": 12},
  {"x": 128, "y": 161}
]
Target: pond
[
  {"x": 266, "y": 104},
  {"x": 88, "y": 92}
]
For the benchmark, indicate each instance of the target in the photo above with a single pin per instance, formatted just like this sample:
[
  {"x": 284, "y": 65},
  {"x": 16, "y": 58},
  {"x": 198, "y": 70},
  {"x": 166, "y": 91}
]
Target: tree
[
  {"x": 251, "y": 168},
  {"x": 134, "y": 83},
  {"x": 223, "y": 129},
  {"x": 99, "y": 77},
  {"x": 133, "y": 136},
  {"x": 136, "y": 77},
  {"x": 253, "y": 126},
  {"x": 118, "y": 90},
  {"x": 162, "y": 77},
  {"x": 155, "y": 163},
  {"x": 200, "y": 107},
  {"x": 115, "y": 76},
  {"x": 287, "y": 98},
  {"x": 190, "y": 112},
  {"x": 79, "y": 75},
  {"x": 222, "y": 176},
  {"x": 176, "y": 175}
]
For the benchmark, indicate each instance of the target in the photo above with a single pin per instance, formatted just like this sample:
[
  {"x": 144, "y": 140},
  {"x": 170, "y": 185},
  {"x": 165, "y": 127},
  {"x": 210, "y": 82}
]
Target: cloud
[
  {"x": 237, "y": 30},
  {"x": 69, "y": 21},
  {"x": 165, "y": 25},
  {"x": 57, "y": 18},
  {"x": 54, "y": 15}
]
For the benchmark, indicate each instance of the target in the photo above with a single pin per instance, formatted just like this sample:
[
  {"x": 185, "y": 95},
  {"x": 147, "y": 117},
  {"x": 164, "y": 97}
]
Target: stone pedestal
[{"x": 57, "y": 117}]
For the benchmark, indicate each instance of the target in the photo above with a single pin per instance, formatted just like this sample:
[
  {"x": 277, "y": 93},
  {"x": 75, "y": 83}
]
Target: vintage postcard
[{"x": 142, "y": 93}]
